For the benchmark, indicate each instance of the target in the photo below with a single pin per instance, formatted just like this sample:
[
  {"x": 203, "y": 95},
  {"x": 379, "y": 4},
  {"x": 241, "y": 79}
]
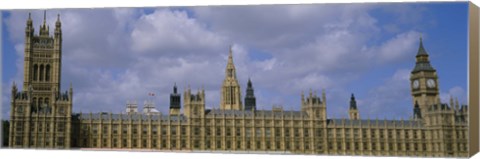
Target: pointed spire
[
  {"x": 249, "y": 83},
  {"x": 58, "y": 23},
  {"x": 44, "y": 18},
  {"x": 421, "y": 49},
  {"x": 175, "y": 88},
  {"x": 230, "y": 69}
]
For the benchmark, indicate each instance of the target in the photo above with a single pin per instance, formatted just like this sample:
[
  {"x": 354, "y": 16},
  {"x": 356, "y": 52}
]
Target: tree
[{"x": 5, "y": 132}]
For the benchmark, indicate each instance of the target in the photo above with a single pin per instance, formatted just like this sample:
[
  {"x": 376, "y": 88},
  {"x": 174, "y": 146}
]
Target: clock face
[
  {"x": 416, "y": 84},
  {"x": 430, "y": 83}
]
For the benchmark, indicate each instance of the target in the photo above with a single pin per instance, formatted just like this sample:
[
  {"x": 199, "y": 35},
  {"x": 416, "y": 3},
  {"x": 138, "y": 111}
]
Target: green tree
[{"x": 5, "y": 132}]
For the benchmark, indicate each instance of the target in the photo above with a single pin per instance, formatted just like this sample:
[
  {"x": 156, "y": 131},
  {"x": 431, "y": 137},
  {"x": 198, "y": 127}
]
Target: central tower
[{"x": 231, "y": 97}]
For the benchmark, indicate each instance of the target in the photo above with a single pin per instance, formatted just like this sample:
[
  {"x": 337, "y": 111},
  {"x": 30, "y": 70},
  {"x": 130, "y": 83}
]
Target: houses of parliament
[{"x": 41, "y": 117}]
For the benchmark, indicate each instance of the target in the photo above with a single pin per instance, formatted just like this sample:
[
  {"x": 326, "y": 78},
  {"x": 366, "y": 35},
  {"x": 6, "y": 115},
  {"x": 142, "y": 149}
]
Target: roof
[
  {"x": 257, "y": 113},
  {"x": 421, "y": 49},
  {"x": 133, "y": 117},
  {"x": 366, "y": 122},
  {"x": 423, "y": 66}
]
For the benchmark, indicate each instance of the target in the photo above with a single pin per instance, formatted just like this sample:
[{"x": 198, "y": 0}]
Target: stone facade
[{"x": 437, "y": 129}]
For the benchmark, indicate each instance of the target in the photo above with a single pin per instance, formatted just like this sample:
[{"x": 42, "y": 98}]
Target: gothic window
[
  {"x": 35, "y": 72},
  {"x": 41, "y": 73},
  {"x": 258, "y": 132},
  {"x": 267, "y": 132},
  {"x": 184, "y": 130},
  {"x": 248, "y": 132},
  {"x": 154, "y": 130},
  {"x": 19, "y": 109},
  {"x": 40, "y": 100},
  {"x": 238, "y": 132},
  {"x": 47, "y": 127},
  {"x": 218, "y": 132},
  {"x": 34, "y": 105},
  {"x": 144, "y": 130},
  {"x": 219, "y": 144},
  {"x": 105, "y": 129},
  {"x": 173, "y": 130},
  {"x": 228, "y": 131},
  {"x": 124, "y": 129},
  {"x": 61, "y": 110},
  {"x": 47, "y": 73}
]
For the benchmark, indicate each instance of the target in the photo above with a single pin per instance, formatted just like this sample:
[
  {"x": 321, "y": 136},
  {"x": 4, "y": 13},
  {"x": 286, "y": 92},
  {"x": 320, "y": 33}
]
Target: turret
[
  {"x": 175, "y": 102},
  {"x": 29, "y": 28},
  {"x": 417, "y": 114},
  {"x": 70, "y": 92},
  {"x": 14, "y": 90},
  {"x": 194, "y": 104},
  {"x": 353, "y": 111},
  {"x": 314, "y": 106},
  {"x": 250, "y": 100},
  {"x": 231, "y": 97}
]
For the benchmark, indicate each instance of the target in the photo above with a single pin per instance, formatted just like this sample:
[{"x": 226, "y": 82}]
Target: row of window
[
  {"x": 272, "y": 145},
  {"x": 276, "y": 131},
  {"x": 60, "y": 127},
  {"x": 196, "y": 144},
  {"x": 268, "y": 132}
]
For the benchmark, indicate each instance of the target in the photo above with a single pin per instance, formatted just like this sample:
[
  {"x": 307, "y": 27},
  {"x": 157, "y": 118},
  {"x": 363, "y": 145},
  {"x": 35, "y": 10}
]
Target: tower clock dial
[
  {"x": 416, "y": 84},
  {"x": 430, "y": 83}
]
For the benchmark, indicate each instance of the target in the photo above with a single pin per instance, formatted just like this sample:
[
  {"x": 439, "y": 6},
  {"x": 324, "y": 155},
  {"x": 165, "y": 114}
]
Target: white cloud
[
  {"x": 390, "y": 99},
  {"x": 115, "y": 55},
  {"x": 455, "y": 92},
  {"x": 399, "y": 48},
  {"x": 169, "y": 31}
]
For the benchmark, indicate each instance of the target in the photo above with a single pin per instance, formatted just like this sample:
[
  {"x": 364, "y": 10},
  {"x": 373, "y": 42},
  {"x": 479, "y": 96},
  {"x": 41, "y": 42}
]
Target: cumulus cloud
[
  {"x": 390, "y": 99},
  {"x": 455, "y": 92},
  {"x": 170, "y": 31},
  {"x": 114, "y": 55}
]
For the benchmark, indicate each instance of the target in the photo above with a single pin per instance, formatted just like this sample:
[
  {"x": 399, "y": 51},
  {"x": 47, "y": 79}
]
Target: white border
[{"x": 52, "y": 154}]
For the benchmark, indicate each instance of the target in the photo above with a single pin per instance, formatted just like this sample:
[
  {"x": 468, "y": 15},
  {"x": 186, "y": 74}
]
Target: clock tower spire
[{"x": 424, "y": 81}]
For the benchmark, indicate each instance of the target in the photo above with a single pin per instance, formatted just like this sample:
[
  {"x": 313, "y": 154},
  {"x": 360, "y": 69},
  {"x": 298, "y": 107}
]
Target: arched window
[
  {"x": 47, "y": 101},
  {"x": 35, "y": 72},
  {"x": 47, "y": 106},
  {"x": 39, "y": 105},
  {"x": 41, "y": 73},
  {"x": 34, "y": 105},
  {"x": 47, "y": 73},
  {"x": 40, "y": 101}
]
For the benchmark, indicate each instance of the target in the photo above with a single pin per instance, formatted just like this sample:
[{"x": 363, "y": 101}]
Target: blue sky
[{"x": 114, "y": 55}]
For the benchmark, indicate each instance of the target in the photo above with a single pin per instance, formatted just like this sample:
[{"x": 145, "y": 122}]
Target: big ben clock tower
[{"x": 424, "y": 81}]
